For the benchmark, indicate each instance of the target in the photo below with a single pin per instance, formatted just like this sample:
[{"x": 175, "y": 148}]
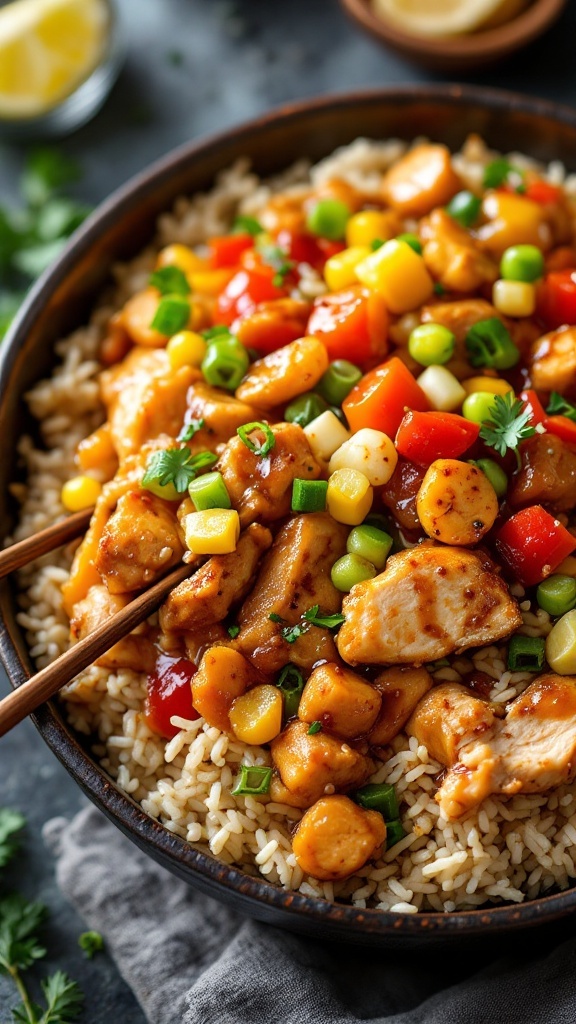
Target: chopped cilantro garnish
[
  {"x": 233, "y": 632},
  {"x": 327, "y": 621},
  {"x": 507, "y": 426},
  {"x": 314, "y": 728}
]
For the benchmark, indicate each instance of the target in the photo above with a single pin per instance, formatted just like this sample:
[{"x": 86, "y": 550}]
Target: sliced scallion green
[
  {"x": 379, "y": 796},
  {"x": 172, "y": 315},
  {"x": 291, "y": 683},
  {"x": 309, "y": 495},
  {"x": 209, "y": 491},
  {"x": 253, "y": 781},
  {"x": 170, "y": 281},
  {"x": 526, "y": 653},
  {"x": 259, "y": 448}
]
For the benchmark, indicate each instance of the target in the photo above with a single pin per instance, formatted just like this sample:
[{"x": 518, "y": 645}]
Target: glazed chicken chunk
[
  {"x": 429, "y": 602},
  {"x": 140, "y": 541},
  {"x": 531, "y": 750}
]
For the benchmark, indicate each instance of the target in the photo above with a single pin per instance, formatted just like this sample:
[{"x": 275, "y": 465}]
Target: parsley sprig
[
  {"x": 21, "y": 947},
  {"x": 507, "y": 426},
  {"x": 175, "y": 466}
]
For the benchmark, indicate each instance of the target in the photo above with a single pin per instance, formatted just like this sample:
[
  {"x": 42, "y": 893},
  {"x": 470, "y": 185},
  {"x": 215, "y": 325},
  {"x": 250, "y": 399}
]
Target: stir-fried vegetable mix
[{"x": 354, "y": 413}]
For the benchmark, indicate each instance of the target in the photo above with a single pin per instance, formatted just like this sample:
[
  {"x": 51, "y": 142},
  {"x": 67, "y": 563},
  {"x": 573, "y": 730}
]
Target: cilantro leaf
[
  {"x": 314, "y": 728},
  {"x": 233, "y": 632},
  {"x": 63, "y": 999},
  {"x": 170, "y": 466},
  {"x": 327, "y": 621},
  {"x": 10, "y": 823},
  {"x": 508, "y": 425},
  {"x": 91, "y": 943},
  {"x": 560, "y": 406},
  {"x": 291, "y": 633}
]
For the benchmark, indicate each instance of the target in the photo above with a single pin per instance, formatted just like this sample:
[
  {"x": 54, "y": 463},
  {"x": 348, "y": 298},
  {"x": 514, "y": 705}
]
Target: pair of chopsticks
[{"x": 46, "y": 683}]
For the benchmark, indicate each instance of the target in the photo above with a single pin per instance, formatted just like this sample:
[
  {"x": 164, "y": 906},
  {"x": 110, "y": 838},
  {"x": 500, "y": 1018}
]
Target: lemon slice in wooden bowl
[
  {"x": 47, "y": 49},
  {"x": 447, "y": 17}
]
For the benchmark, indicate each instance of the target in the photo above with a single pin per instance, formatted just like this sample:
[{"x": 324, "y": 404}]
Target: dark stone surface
[{"x": 193, "y": 67}]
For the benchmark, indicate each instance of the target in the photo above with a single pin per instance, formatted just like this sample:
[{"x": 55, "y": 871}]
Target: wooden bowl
[
  {"x": 60, "y": 302},
  {"x": 459, "y": 53}
]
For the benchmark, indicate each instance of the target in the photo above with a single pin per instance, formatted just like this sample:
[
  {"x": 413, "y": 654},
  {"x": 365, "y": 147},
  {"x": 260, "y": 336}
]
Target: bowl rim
[
  {"x": 487, "y": 43},
  {"x": 197, "y": 866}
]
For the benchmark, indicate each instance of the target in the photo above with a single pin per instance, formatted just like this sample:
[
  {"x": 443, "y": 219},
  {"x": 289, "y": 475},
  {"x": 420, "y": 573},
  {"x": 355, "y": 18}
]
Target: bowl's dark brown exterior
[{"x": 63, "y": 297}]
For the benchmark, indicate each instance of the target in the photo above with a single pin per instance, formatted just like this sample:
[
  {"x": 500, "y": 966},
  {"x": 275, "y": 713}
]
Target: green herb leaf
[
  {"x": 19, "y": 920},
  {"x": 276, "y": 618},
  {"x": 190, "y": 429},
  {"x": 327, "y": 621},
  {"x": 63, "y": 999},
  {"x": 35, "y": 259},
  {"x": 91, "y": 943},
  {"x": 233, "y": 631},
  {"x": 508, "y": 425},
  {"x": 502, "y": 172},
  {"x": 172, "y": 315},
  {"x": 170, "y": 466},
  {"x": 314, "y": 728},
  {"x": 47, "y": 171},
  {"x": 277, "y": 258},
  {"x": 59, "y": 217},
  {"x": 291, "y": 633},
  {"x": 247, "y": 226},
  {"x": 170, "y": 281},
  {"x": 11, "y": 822},
  {"x": 560, "y": 406}
]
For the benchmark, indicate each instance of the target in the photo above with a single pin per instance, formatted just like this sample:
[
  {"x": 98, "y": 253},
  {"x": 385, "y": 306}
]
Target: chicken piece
[
  {"x": 312, "y": 766},
  {"x": 294, "y": 576},
  {"x": 223, "y": 675},
  {"x": 222, "y": 414},
  {"x": 285, "y": 373},
  {"x": 531, "y": 750},
  {"x": 140, "y": 541},
  {"x": 420, "y": 180},
  {"x": 452, "y": 256},
  {"x": 553, "y": 362},
  {"x": 198, "y": 641},
  {"x": 547, "y": 476},
  {"x": 448, "y": 717},
  {"x": 261, "y": 488},
  {"x": 459, "y": 317},
  {"x": 401, "y": 688},
  {"x": 224, "y": 580},
  {"x": 429, "y": 602},
  {"x": 335, "y": 838},
  {"x": 339, "y": 699},
  {"x": 145, "y": 397},
  {"x": 283, "y": 319},
  {"x": 135, "y": 651},
  {"x": 399, "y": 494},
  {"x": 456, "y": 503}
]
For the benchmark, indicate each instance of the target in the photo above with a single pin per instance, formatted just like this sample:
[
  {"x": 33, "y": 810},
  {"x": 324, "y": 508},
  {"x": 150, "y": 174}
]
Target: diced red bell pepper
[
  {"x": 382, "y": 397},
  {"x": 305, "y": 248},
  {"x": 543, "y": 192},
  {"x": 533, "y": 405},
  {"x": 226, "y": 250},
  {"x": 532, "y": 544},
  {"x": 169, "y": 693},
  {"x": 244, "y": 292},
  {"x": 556, "y": 298},
  {"x": 352, "y": 323},
  {"x": 424, "y": 437}
]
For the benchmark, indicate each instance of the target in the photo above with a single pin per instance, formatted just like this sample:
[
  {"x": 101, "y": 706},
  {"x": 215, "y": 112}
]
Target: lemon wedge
[
  {"x": 447, "y": 17},
  {"x": 47, "y": 49}
]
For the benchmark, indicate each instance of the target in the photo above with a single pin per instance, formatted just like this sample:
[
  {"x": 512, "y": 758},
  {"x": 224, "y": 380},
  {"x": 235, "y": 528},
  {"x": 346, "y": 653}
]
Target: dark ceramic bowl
[{"x": 60, "y": 301}]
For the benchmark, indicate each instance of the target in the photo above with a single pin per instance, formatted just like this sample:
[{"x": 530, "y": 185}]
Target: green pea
[
  {"x": 431, "y": 344},
  {"x": 478, "y": 406},
  {"x": 464, "y": 207},
  {"x": 349, "y": 570},
  {"x": 495, "y": 474},
  {"x": 522, "y": 263},
  {"x": 557, "y": 594},
  {"x": 328, "y": 218}
]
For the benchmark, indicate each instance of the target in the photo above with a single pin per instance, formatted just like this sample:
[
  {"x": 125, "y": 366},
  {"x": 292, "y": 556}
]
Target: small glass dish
[{"x": 85, "y": 99}]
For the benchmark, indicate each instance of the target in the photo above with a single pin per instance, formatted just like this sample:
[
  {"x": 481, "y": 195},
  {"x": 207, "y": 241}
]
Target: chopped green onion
[
  {"x": 247, "y": 225},
  {"x": 501, "y": 172},
  {"x": 412, "y": 240},
  {"x": 349, "y": 570},
  {"x": 309, "y": 495},
  {"x": 557, "y": 594},
  {"x": 313, "y": 616},
  {"x": 431, "y": 344},
  {"x": 379, "y": 796},
  {"x": 526, "y": 653},
  {"x": 172, "y": 315},
  {"x": 464, "y": 208},
  {"x": 170, "y": 281},
  {"x": 370, "y": 543},
  {"x": 259, "y": 448},
  {"x": 209, "y": 491},
  {"x": 394, "y": 832},
  {"x": 560, "y": 406},
  {"x": 376, "y": 243},
  {"x": 489, "y": 344},
  {"x": 289, "y": 633},
  {"x": 225, "y": 363},
  {"x": 217, "y": 333},
  {"x": 314, "y": 728},
  {"x": 377, "y": 520},
  {"x": 305, "y": 408},
  {"x": 337, "y": 383},
  {"x": 190, "y": 429},
  {"x": 233, "y": 631},
  {"x": 253, "y": 781},
  {"x": 328, "y": 218},
  {"x": 495, "y": 475},
  {"x": 291, "y": 683},
  {"x": 479, "y": 406},
  {"x": 522, "y": 263}
]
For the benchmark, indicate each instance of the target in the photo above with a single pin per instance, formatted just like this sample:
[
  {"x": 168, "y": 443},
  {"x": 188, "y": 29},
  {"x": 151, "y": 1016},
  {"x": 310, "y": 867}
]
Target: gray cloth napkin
[{"x": 190, "y": 960}]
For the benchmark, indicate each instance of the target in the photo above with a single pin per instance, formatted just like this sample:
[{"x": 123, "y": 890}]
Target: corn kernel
[
  {"x": 256, "y": 716},
  {"x": 442, "y": 389},
  {"x": 495, "y": 385},
  {"x": 79, "y": 493},
  {"x": 187, "y": 348},
  {"x": 370, "y": 451},
  {"x": 214, "y": 531},
  {"x": 339, "y": 270},
  {"x": 349, "y": 496},
  {"x": 181, "y": 256},
  {"x": 512, "y": 220},
  {"x": 372, "y": 225},
  {"x": 210, "y": 282},
  {"x": 399, "y": 275},
  {"x": 325, "y": 434},
  {"x": 514, "y": 298}
]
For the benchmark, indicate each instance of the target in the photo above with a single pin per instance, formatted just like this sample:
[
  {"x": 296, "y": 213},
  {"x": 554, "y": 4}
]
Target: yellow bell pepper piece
[
  {"x": 214, "y": 531},
  {"x": 495, "y": 385},
  {"x": 256, "y": 716},
  {"x": 512, "y": 220},
  {"x": 80, "y": 492},
  {"x": 210, "y": 282},
  {"x": 181, "y": 256},
  {"x": 372, "y": 225},
  {"x": 399, "y": 275},
  {"x": 349, "y": 496},
  {"x": 339, "y": 270}
]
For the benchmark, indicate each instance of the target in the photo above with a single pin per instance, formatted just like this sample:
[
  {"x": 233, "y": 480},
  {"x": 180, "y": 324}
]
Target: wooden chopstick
[
  {"x": 38, "y": 544},
  {"x": 44, "y": 684}
]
